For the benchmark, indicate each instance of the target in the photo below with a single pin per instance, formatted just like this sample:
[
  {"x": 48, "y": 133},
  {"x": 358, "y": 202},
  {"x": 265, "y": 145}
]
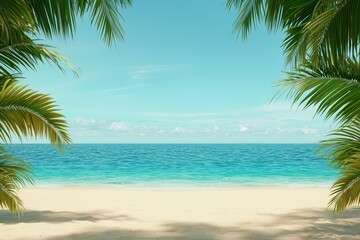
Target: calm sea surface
[{"x": 167, "y": 165}]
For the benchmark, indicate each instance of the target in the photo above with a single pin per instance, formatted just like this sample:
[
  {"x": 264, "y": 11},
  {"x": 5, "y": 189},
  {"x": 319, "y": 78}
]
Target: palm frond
[
  {"x": 334, "y": 31},
  {"x": 341, "y": 145},
  {"x": 23, "y": 52},
  {"x": 332, "y": 89},
  {"x": 7, "y": 78},
  {"x": 59, "y": 17},
  {"x": 54, "y": 17},
  {"x": 342, "y": 148},
  {"x": 250, "y": 14},
  {"x": 14, "y": 174},
  {"x": 319, "y": 29},
  {"x": 346, "y": 190},
  {"x": 15, "y": 16},
  {"x": 25, "y": 112},
  {"x": 276, "y": 14},
  {"x": 105, "y": 16}
]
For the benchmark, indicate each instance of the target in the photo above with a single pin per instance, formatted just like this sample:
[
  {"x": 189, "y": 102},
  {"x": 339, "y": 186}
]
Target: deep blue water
[{"x": 177, "y": 164}]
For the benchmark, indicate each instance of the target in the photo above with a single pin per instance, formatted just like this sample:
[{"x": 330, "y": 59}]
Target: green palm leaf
[
  {"x": 334, "y": 31},
  {"x": 321, "y": 29},
  {"x": 15, "y": 16},
  {"x": 59, "y": 17},
  {"x": 25, "y": 112},
  {"x": 346, "y": 190},
  {"x": 343, "y": 150},
  {"x": 55, "y": 17},
  {"x": 332, "y": 89},
  {"x": 104, "y": 15},
  {"x": 14, "y": 174},
  {"x": 250, "y": 14},
  {"x": 341, "y": 145},
  {"x": 23, "y": 52}
]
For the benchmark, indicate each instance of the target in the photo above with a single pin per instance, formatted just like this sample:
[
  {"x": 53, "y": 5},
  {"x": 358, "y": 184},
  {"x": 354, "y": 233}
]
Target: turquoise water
[{"x": 177, "y": 164}]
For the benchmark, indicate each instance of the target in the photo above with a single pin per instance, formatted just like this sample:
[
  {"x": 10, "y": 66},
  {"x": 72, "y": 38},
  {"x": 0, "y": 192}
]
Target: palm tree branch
[
  {"x": 250, "y": 15},
  {"x": 324, "y": 32},
  {"x": 28, "y": 113},
  {"x": 332, "y": 89},
  {"x": 14, "y": 173},
  {"x": 60, "y": 17},
  {"x": 341, "y": 145},
  {"x": 345, "y": 191},
  {"x": 15, "y": 17},
  {"x": 321, "y": 29},
  {"x": 27, "y": 53}
]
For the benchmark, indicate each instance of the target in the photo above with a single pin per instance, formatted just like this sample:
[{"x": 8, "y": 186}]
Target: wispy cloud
[
  {"x": 119, "y": 126},
  {"x": 150, "y": 71},
  {"x": 307, "y": 130},
  {"x": 280, "y": 130},
  {"x": 177, "y": 115},
  {"x": 211, "y": 130},
  {"x": 181, "y": 130},
  {"x": 88, "y": 122},
  {"x": 123, "y": 88},
  {"x": 243, "y": 128}
]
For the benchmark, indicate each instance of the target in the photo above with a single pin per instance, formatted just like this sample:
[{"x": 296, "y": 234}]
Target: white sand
[{"x": 237, "y": 213}]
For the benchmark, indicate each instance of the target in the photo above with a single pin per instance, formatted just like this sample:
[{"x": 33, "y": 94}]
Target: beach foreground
[{"x": 143, "y": 213}]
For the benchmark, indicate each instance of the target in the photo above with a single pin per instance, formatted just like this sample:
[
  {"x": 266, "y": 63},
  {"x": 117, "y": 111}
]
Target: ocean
[{"x": 177, "y": 165}]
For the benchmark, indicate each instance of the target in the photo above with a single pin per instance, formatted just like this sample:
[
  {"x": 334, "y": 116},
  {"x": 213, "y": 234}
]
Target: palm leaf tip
[
  {"x": 24, "y": 112},
  {"x": 60, "y": 17},
  {"x": 342, "y": 148},
  {"x": 331, "y": 88},
  {"x": 314, "y": 28},
  {"x": 14, "y": 174},
  {"x": 345, "y": 191}
]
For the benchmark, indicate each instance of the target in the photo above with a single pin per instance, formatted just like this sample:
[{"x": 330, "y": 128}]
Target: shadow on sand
[
  {"x": 302, "y": 224},
  {"x": 59, "y": 217}
]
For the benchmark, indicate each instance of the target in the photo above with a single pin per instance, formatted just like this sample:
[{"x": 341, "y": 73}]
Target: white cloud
[
  {"x": 118, "y": 126},
  {"x": 243, "y": 128},
  {"x": 148, "y": 72},
  {"x": 307, "y": 130},
  {"x": 88, "y": 122},
  {"x": 266, "y": 132},
  {"x": 120, "y": 89},
  {"x": 84, "y": 122},
  {"x": 214, "y": 129},
  {"x": 179, "y": 130},
  {"x": 280, "y": 130}
]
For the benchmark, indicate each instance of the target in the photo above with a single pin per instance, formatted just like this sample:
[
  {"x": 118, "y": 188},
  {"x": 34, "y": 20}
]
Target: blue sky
[{"x": 180, "y": 75}]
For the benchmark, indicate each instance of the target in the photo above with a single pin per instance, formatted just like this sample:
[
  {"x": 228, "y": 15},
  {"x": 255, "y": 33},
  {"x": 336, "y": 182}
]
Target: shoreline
[
  {"x": 171, "y": 187},
  {"x": 163, "y": 185},
  {"x": 81, "y": 213}
]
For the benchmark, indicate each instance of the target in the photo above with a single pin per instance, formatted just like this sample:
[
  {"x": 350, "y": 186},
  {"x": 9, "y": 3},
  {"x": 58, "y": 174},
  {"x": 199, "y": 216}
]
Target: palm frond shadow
[
  {"x": 60, "y": 217},
  {"x": 300, "y": 224}
]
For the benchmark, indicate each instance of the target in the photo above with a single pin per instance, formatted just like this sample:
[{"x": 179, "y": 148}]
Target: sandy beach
[{"x": 223, "y": 213}]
